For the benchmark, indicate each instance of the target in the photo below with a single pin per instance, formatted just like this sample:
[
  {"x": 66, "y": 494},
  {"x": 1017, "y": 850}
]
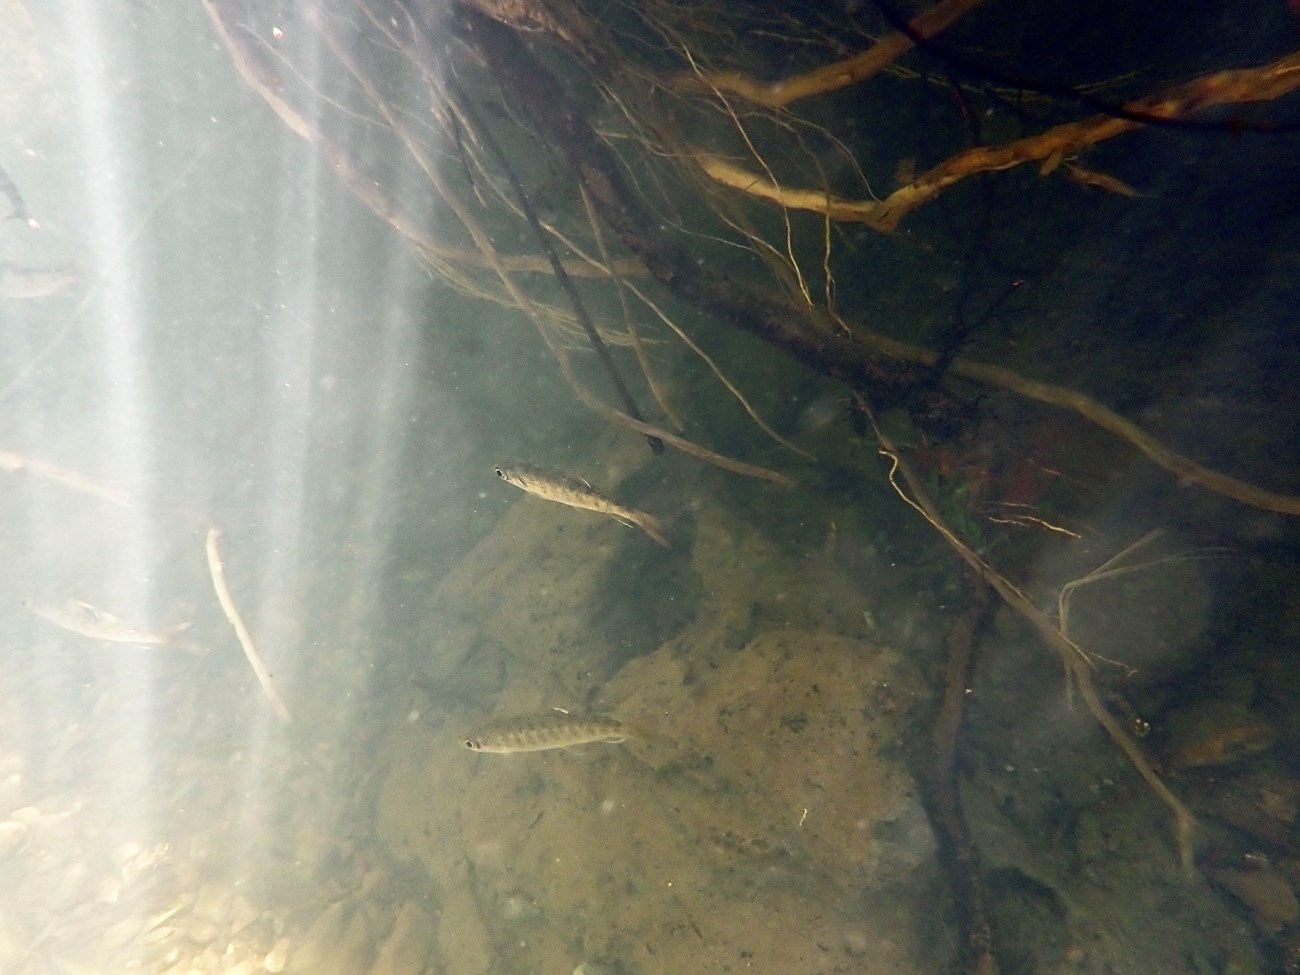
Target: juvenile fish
[
  {"x": 16, "y": 202},
  {"x": 88, "y": 621},
  {"x": 17, "y": 281},
  {"x": 551, "y": 729},
  {"x": 578, "y": 494}
]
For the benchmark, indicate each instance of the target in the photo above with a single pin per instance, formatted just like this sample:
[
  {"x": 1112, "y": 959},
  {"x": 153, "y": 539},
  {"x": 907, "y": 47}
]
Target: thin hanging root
[
  {"x": 690, "y": 343},
  {"x": 255, "y": 661},
  {"x": 1110, "y": 569},
  {"x": 1113, "y": 567},
  {"x": 258, "y": 77},
  {"x": 646, "y": 429},
  {"x": 364, "y": 186},
  {"x": 789, "y": 255},
  {"x": 483, "y": 241},
  {"x": 718, "y": 373},
  {"x": 464, "y": 105},
  {"x": 633, "y": 333},
  {"x": 1074, "y": 657}
]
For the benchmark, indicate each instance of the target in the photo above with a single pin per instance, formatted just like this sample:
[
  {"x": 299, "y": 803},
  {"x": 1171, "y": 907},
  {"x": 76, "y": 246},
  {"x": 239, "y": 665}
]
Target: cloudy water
[{"x": 633, "y": 488}]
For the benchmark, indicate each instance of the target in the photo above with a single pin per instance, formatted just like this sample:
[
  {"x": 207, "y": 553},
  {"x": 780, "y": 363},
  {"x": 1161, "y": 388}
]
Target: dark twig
[{"x": 484, "y": 135}]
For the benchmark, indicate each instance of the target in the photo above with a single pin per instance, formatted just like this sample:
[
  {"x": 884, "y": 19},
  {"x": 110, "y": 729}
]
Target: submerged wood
[
  {"x": 1075, "y": 659},
  {"x": 218, "y": 572},
  {"x": 838, "y": 74},
  {"x": 1263, "y": 83},
  {"x": 959, "y": 856},
  {"x": 539, "y": 94},
  {"x": 864, "y": 361},
  {"x": 813, "y": 335}
]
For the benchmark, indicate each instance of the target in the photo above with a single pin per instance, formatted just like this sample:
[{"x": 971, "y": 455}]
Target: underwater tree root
[
  {"x": 465, "y": 105},
  {"x": 1187, "y": 470},
  {"x": 820, "y": 339},
  {"x": 1263, "y": 83},
  {"x": 1074, "y": 657},
  {"x": 218, "y": 572},
  {"x": 538, "y": 94},
  {"x": 830, "y": 77},
  {"x": 942, "y": 791}
]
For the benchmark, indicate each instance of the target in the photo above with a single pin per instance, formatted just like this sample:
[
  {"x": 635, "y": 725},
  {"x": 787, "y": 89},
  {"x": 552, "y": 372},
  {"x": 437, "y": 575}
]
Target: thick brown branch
[
  {"x": 1221, "y": 88},
  {"x": 830, "y": 77}
]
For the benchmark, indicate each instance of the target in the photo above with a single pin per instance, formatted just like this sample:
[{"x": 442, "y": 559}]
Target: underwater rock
[
  {"x": 777, "y": 824},
  {"x": 242, "y": 914},
  {"x": 1216, "y": 732},
  {"x": 277, "y": 957},
  {"x": 462, "y": 937},
  {"x": 213, "y": 903},
  {"x": 336, "y": 944},
  {"x": 599, "y": 968},
  {"x": 1266, "y": 893},
  {"x": 410, "y": 945}
]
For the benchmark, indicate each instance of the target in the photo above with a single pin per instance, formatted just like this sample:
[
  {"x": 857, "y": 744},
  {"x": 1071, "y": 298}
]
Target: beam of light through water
[{"x": 117, "y": 440}]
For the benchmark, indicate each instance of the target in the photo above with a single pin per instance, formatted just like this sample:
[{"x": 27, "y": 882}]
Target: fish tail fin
[{"x": 653, "y": 527}]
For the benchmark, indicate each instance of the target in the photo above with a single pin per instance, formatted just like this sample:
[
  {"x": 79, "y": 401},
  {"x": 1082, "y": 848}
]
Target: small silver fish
[
  {"x": 551, "y": 729},
  {"x": 17, "y": 281},
  {"x": 578, "y": 494},
  {"x": 88, "y": 621}
]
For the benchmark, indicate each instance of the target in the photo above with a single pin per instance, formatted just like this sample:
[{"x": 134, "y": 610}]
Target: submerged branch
[
  {"x": 1187, "y": 470},
  {"x": 566, "y": 283},
  {"x": 1259, "y": 84},
  {"x": 218, "y": 573},
  {"x": 865, "y": 361},
  {"x": 830, "y": 77},
  {"x": 535, "y": 91},
  {"x": 791, "y": 322},
  {"x": 1074, "y": 657},
  {"x": 1263, "y": 83}
]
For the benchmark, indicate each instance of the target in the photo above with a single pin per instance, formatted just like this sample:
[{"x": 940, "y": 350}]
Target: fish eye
[
  {"x": 500, "y": 473},
  {"x": 471, "y": 744}
]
